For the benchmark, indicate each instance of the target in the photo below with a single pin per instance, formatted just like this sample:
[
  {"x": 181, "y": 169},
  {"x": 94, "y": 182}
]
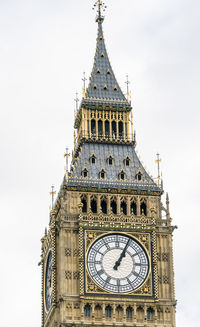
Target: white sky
[{"x": 44, "y": 48}]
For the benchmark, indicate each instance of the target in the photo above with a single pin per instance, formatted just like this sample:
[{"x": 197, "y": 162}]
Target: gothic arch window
[
  {"x": 84, "y": 173},
  {"x": 84, "y": 204},
  {"x": 143, "y": 208},
  {"x": 138, "y": 176},
  {"x": 93, "y": 159},
  {"x": 87, "y": 310},
  {"x": 107, "y": 128},
  {"x": 150, "y": 314},
  {"x": 127, "y": 161},
  {"x": 94, "y": 205},
  {"x": 102, "y": 174},
  {"x": 110, "y": 160},
  {"x": 93, "y": 127},
  {"x": 123, "y": 207},
  {"x": 100, "y": 129},
  {"x": 108, "y": 311},
  {"x": 120, "y": 129},
  {"x": 104, "y": 206},
  {"x": 113, "y": 205},
  {"x": 114, "y": 130},
  {"x": 129, "y": 313},
  {"x": 122, "y": 175},
  {"x": 133, "y": 208}
]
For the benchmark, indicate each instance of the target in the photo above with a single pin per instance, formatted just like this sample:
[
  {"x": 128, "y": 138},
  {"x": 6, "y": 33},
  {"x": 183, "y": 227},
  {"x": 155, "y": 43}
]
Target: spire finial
[
  {"x": 76, "y": 100},
  {"x": 52, "y": 193},
  {"x": 84, "y": 79},
  {"x": 128, "y": 96},
  {"x": 100, "y": 5},
  {"x": 158, "y": 161}
]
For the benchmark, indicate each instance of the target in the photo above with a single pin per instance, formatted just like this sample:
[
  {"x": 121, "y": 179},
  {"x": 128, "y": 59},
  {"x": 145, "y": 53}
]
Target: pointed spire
[{"x": 103, "y": 83}]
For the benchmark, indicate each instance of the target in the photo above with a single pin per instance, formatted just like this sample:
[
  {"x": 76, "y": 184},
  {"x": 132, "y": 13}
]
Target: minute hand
[{"x": 123, "y": 254}]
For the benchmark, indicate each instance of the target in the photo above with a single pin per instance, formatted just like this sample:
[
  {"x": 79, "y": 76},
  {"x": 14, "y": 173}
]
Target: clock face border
[
  {"x": 135, "y": 235},
  {"x": 45, "y": 279}
]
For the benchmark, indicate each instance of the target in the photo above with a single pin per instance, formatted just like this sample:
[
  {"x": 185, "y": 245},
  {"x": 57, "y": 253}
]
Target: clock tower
[{"x": 107, "y": 257}]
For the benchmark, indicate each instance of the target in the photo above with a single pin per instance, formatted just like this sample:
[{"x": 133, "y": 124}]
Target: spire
[{"x": 103, "y": 84}]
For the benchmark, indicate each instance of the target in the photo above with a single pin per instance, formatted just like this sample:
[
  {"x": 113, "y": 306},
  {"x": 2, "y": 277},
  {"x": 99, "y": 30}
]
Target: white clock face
[{"x": 117, "y": 263}]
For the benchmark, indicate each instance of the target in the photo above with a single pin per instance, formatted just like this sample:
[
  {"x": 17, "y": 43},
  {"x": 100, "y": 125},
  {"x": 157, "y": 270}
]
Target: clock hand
[{"x": 123, "y": 254}]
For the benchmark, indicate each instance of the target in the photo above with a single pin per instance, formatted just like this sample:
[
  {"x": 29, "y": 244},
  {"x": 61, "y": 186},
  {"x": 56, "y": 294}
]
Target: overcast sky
[{"x": 44, "y": 48}]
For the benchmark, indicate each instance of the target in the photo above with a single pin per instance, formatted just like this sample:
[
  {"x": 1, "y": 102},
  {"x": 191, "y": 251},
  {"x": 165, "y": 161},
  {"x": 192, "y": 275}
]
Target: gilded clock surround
[
  {"x": 92, "y": 205},
  {"x": 90, "y": 287}
]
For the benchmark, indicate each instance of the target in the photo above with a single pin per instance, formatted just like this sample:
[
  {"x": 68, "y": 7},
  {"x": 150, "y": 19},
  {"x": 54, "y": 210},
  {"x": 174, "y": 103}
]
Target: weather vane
[{"x": 100, "y": 6}]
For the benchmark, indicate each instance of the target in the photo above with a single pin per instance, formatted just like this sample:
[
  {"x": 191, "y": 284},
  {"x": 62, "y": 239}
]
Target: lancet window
[
  {"x": 120, "y": 129},
  {"x": 94, "y": 205},
  {"x": 84, "y": 204},
  {"x": 143, "y": 208},
  {"x": 87, "y": 310},
  {"x": 139, "y": 176},
  {"x": 93, "y": 127},
  {"x": 134, "y": 208},
  {"x": 127, "y": 161},
  {"x": 113, "y": 205},
  {"x": 114, "y": 130},
  {"x": 104, "y": 206},
  {"x": 150, "y": 314},
  {"x": 84, "y": 173},
  {"x": 108, "y": 311},
  {"x": 93, "y": 159},
  {"x": 110, "y": 161},
  {"x": 129, "y": 313},
  {"x": 122, "y": 175},
  {"x": 107, "y": 128},
  {"x": 124, "y": 207},
  {"x": 102, "y": 174}
]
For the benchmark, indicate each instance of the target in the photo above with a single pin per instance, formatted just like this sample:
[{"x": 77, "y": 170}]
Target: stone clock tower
[{"x": 107, "y": 257}]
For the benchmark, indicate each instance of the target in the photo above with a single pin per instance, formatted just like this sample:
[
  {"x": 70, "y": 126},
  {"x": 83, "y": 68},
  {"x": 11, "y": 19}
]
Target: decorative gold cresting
[{"x": 100, "y": 5}]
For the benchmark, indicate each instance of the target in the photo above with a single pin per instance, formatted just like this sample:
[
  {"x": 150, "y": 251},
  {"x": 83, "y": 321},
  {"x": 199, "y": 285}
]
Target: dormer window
[
  {"x": 85, "y": 173},
  {"x": 95, "y": 87},
  {"x": 115, "y": 88},
  {"x": 127, "y": 162},
  {"x": 98, "y": 71},
  {"x": 122, "y": 175},
  {"x": 102, "y": 174},
  {"x": 105, "y": 87},
  {"x": 110, "y": 161},
  {"x": 93, "y": 159},
  {"x": 102, "y": 55},
  {"x": 108, "y": 72},
  {"x": 101, "y": 37},
  {"x": 139, "y": 176}
]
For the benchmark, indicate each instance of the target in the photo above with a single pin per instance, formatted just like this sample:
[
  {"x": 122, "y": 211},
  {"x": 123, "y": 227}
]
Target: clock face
[
  {"x": 48, "y": 282},
  {"x": 117, "y": 263}
]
